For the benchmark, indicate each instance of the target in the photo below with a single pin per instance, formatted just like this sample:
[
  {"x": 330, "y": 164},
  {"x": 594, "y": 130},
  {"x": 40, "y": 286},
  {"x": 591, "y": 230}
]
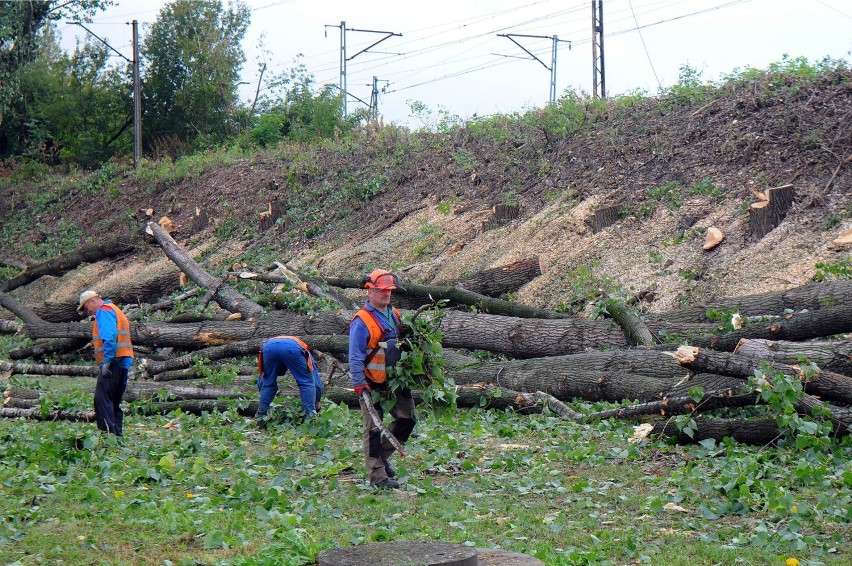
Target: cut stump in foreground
[{"x": 422, "y": 554}]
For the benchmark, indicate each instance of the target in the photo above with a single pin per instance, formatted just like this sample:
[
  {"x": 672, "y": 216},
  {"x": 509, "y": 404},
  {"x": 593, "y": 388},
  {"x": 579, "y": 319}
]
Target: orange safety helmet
[{"x": 380, "y": 279}]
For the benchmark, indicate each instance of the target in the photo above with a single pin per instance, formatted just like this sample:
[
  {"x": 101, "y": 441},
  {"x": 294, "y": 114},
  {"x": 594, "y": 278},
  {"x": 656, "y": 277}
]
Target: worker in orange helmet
[{"x": 373, "y": 347}]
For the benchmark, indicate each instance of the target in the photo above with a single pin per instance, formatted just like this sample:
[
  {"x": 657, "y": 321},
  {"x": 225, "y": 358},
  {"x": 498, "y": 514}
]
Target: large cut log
[
  {"x": 825, "y": 384},
  {"x": 642, "y": 375},
  {"x": 813, "y": 296},
  {"x": 48, "y": 369},
  {"x": 142, "y": 289},
  {"x": 475, "y": 331},
  {"x": 101, "y": 249},
  {"x": 757, "y": 432},
  {"x": 49, "y": 347},
  {"x": 10, "y": 326},
  {"x": 695, "y": 359},
  {"x": 827, "y": 321},
  {"x": 829, "y": 355},
  {"x": 336, "y": 344},
  {"x": 498, "y": 281},
  {"x": 227, "y": 297},
  {"x": 678, "y": 405}
]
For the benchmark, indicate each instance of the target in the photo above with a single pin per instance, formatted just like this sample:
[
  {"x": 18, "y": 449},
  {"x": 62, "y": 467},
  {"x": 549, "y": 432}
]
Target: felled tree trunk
[
  {"x": 829, "y": 355},
  {"x": 594, "y": 376},
  {"x": 47, "y": 370},
  {"x": 323, "y": 343},
  {"x": 755, "y": 432},
  {"x": 101, "y": 249},
  {"x": 10, "y": 326},
  {"x": 227, "y": 297},
  {"x": 693, "y": 358},
  {"x": 51, "y": 347},
  {"x": 503, "y": 279},
  {"x": 812, "y": 297},
  {"x": 826, "y": 321}
]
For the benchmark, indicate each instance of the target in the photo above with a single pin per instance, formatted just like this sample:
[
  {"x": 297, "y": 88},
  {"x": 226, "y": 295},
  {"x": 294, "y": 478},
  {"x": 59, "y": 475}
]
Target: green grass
[{"x": 214, "y": 490}]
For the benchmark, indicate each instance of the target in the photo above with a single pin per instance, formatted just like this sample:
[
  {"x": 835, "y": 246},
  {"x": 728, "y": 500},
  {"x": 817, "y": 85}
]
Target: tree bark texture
[
  {"x": 635, "y": 330},
  {"x": 841, "y": 417},
  {"x": 86, "y": 254},
  {"x": 10, "y": 326},
  {"x": 595, "y": 376},
  {"x": 48, "y": 347},
  {"x": 812, "y": 297},
  {"x": 500, "y": 280},
  {"x": 755, "y": 432},
  {"x": 829, "y": 355},
  {"x": 227, "y": 297},
  {"x": 46, "y": 369}
]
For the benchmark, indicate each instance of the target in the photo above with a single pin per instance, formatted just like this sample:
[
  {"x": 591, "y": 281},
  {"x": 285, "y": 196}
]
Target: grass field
[{"x": 214, "y": 489}]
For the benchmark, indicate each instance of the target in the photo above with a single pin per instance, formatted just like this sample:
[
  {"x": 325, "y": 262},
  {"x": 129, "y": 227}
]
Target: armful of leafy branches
[{"x": 421, "y": 365}]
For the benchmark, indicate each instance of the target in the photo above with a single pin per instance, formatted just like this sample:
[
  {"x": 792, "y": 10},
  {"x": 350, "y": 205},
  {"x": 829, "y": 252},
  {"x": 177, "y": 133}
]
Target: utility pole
[
  {"x": 374, "y": 98},
  {"x": 599, "y": 78},
  {"x": 137, "y": 100},
  {"x": 552, "y": 67},
  {"x": 344, "y": 59}
]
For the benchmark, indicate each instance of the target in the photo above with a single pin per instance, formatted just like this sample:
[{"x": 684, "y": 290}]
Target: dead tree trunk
[
  {"x": 66, "y": 262},
  {"x": 227, "y": 297}
]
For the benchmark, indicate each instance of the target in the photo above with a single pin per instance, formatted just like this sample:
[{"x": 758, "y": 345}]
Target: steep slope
[{"x": 419, "y": 202}]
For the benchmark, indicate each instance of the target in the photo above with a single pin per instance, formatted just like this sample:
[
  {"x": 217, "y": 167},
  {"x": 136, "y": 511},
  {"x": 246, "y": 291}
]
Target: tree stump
[
  {"x": 399, "y": 553},
  {"x": 501, "y": 214},
  {"x": 423, "y": 554},
  {"x": 768, "y": 212},
  {"x": 604, "y": 217}
]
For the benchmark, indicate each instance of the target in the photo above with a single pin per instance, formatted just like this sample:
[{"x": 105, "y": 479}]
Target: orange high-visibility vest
[
  {"x": 374, "y": 364},
  {"x": 304, "y": 346},
  {"x": 123, "y": 347}
]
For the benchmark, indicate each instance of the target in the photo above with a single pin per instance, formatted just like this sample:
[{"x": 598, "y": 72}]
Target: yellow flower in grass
[{"x": 792, "y": 561}]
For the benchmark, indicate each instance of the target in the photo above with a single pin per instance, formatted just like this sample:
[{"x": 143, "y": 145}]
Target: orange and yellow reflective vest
[
  {"x": 374, "y": 364},
  {"x": 123, "y": 347},
  {"x": 304, "y": 346}
]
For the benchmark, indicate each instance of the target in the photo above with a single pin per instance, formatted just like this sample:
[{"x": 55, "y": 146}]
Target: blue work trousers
[
  {"x": 280, "y": 355},
  {"x": 108, "y": 393}
]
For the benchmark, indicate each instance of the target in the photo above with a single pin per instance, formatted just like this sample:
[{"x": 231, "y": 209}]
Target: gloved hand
[
  {"x": 361, "y": 388},
  {"x": 103, "y": 370}
]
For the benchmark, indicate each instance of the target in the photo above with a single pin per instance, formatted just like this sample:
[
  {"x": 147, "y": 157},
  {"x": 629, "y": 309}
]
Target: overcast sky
[{"x": 450, "y": 55}]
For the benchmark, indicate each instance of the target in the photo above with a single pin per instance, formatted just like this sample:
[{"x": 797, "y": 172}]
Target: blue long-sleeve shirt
[
  {"x": 108, "y": 330},
  {"x": 359, "y": 336}
]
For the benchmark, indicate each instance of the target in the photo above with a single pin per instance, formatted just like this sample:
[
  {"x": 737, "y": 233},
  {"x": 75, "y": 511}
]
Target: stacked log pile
[{"x": 555, "y": 357}]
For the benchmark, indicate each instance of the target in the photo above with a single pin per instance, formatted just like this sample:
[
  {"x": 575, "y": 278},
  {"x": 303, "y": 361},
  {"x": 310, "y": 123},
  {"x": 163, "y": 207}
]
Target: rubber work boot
[
  {"x": 387, "y": 483},
  {"x": 389, "y": 469}
]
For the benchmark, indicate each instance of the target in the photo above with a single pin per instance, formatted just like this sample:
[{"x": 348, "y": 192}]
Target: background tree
[
  {"x": 192, "y": 59},
  {"x": 22, "y": 32}
]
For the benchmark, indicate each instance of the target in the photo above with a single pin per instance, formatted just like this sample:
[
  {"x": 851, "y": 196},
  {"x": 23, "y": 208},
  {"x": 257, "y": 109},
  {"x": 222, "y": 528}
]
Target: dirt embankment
[{"x": 422, "y": 204}]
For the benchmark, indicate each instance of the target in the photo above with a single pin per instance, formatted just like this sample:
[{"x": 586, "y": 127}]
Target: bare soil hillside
[{"x": 422, "y": 203}]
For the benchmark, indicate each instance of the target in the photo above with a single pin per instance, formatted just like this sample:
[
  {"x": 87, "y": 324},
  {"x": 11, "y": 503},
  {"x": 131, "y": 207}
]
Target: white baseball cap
[{"x": 85, "y": 296}]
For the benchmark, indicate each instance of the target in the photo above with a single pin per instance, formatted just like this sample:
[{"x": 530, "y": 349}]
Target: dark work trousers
[
  {"x": 108, "y": 393},
  {"x": 377, "y": 448}
]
